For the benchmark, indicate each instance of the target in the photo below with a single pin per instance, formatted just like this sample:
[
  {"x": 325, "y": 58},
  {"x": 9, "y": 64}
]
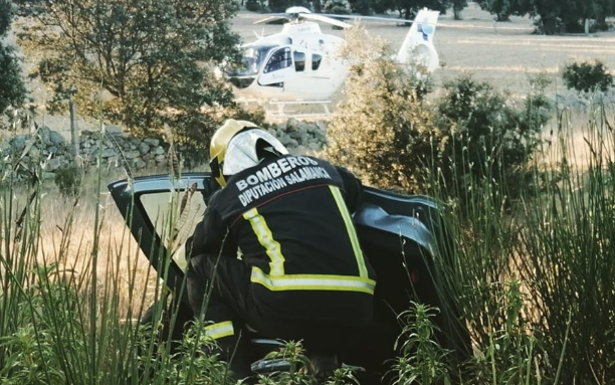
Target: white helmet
[{"x": 246, "y": 147}]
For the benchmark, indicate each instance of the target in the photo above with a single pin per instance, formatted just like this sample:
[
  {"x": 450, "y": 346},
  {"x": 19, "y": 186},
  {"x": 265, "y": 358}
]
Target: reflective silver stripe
[
  {"x": 265, "y": 238},
  {"x": 352, "y": 234},
  {"x": 313, "y": 282},
  {"x": 219, "y": 330}
]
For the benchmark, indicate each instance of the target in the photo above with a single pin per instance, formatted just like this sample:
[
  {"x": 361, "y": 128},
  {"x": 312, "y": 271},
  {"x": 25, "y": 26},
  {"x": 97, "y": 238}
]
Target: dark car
[{"x": 402, "y": 236}]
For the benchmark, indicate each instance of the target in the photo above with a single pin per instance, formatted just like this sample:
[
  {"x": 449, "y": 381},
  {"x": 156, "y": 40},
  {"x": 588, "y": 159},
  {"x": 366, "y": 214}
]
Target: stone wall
[{"x": 51, "y": 149}]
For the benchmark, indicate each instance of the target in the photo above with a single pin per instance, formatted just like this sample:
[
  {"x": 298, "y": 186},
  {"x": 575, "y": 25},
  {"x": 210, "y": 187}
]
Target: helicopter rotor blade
[
  {"x": 375, "y": 18},
  {"x": 271, "y": 18},
  {"x": 325, "y": 19}
]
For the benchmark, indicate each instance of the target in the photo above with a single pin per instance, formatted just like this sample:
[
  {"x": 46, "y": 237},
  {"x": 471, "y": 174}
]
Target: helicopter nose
[{"x": 242, "y": 82}]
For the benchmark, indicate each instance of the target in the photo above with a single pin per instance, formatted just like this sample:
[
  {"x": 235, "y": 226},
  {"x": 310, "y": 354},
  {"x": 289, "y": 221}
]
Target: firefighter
[{"x": 278, "y": 248}]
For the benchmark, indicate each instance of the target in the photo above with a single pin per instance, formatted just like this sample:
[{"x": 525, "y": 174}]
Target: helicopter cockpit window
[
  {"x": 279, "y": 60},
  {"x": 316, "y": 60},
  {"x": 252, "y": 61},
  {"x": 299, "y": 61}
]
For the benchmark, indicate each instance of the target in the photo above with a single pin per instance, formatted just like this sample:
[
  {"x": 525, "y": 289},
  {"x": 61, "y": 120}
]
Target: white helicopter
[{"x": 300, "y": 64}]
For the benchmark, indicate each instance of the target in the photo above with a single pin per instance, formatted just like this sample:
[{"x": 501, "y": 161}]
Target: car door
[{"x": 162, "y": 213}]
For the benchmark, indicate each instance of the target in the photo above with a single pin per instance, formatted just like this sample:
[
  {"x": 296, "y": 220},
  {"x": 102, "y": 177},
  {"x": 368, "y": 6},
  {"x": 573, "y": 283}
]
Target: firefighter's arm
[
  {"x": 209, "y": 235},
  {"x": 353, "y": 189}
]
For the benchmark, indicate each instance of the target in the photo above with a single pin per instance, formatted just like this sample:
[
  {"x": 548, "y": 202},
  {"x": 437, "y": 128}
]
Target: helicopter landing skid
[{"x": 276, "y": 109}]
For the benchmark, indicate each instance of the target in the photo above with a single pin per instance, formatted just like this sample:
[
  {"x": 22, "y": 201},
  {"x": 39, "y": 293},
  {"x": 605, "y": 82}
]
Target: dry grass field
[{"x": 502, "y": 53}]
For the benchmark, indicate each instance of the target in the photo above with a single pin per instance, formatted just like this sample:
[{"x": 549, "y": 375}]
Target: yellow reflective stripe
[
  {"x": 219, "y": 330},
  {"x": 265, "y": 238},
  {"x": 358, "y": 253},
  {"x": 313, "y": 282}
]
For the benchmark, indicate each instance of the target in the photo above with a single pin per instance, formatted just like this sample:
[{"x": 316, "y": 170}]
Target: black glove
[{"x": 210, "y": 186}]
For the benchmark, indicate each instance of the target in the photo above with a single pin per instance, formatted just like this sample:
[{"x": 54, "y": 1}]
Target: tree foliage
[
  {"x": 487, "y": 136},
  {"x": 554, "y": 16},
  {"x": 139, "y": 63},
  {"x": 12, "y": 88},
  {"x": 380, "y": 132},
  {"x": 587, "y": 77}
]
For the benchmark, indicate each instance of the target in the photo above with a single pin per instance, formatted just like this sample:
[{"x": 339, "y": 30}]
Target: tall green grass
[
  {"x": 533, "y": 276},
  {"x": 61, "y": 316}
]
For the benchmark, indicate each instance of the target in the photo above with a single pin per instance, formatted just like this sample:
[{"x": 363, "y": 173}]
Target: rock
[
  {"x": 86, "y": 144},
  {"x": 151, "y": 142},
  {"x": 53, "y": 164},
  {"x": 151, "y": 163},
  {"x": 314, "y": 146},
  {"x": 143, "y": 148},
  {"x": 5, "y": 146},
  {"x": 132, "y": 154},
  {"x": 34, "y": 152},
  {"x": 292, "y": 123},
  {"x": 114, "y": 130},
  {"x": 299, "y": 150},
  {"x": 148, "y": 157},
  {"x": 44, "y": 133},
  {"x": 139, "y": 164},
  {"x": 19, "y": 142},
  {"x": 159, "y": 158},
  {"x": 133, "y": 147},
  {"x": 285, "y": 139},
  {"x": 108, "y": 153},
  {"x": 159, "y": 151},
  {"x": 49, "y": 175},
  {"x": 56, "y": 138}
]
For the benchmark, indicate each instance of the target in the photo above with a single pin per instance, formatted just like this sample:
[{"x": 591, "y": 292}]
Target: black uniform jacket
[{"x": 290, "y": 219}]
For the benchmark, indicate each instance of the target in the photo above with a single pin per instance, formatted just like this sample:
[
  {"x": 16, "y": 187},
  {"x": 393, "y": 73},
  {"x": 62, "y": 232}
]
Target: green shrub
[
  {"x": 486, "y": 136},
  {"x": 392, "y": 138},
  {"x": 587, "y": 77},
  {"x": 424, "y": 360},
  {"x": 68, "y": 181},
  {"x": 382, "y": 131}
]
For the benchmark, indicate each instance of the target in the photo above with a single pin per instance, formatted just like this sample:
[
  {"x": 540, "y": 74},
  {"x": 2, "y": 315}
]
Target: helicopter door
[{"x": 278, "y": 69}]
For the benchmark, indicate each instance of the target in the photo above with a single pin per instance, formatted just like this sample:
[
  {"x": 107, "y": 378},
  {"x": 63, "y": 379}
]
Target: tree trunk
[
  {"x": 457, "y": 14},
  {"x": 407, "y": 12},
  {"x": 587, "y": 26},
  {"x": 317, "y": 6}
]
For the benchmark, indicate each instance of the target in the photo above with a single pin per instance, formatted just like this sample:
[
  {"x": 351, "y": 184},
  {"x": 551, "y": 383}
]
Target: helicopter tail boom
[{"x": 418, "y": 45}]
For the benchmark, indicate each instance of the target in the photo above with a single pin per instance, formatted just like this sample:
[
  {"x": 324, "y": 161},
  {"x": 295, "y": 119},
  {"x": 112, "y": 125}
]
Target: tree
[
  {"x": 458, "y": 6},
  {"x": 142, "y": 64},
  {"x": 604, "y": 8},
  {"x": 12, "y": 88},
  {"x": 381, "y": 131},
  {"x": 502, "y": 9},
  {"x": 554, "y": 16},
  {"x": 408, "y": 8}
]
